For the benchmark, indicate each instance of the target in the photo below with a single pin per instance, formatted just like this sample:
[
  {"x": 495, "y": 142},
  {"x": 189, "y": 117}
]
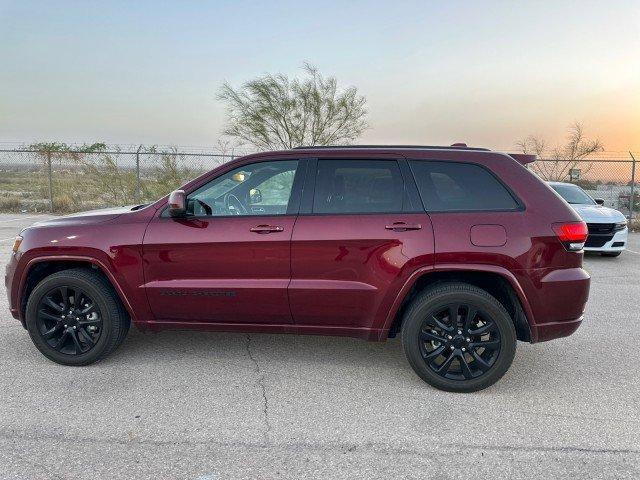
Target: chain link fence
[
  {"x": 612, "y": 177},
  {"x": 71, "y": 181}
]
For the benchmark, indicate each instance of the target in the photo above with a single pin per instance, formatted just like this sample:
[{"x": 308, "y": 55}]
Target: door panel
[
  {"x": 355, "y": 243},
  {"x": 345, "y": 268},
  {"x": 229, "y": 260},
  {"x": 215, "y": 269}
]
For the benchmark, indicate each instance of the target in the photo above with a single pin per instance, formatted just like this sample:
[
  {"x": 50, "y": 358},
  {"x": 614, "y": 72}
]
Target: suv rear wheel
[
  {"x": 75, "y": 318},
  {"x": 457, "y": 337}
]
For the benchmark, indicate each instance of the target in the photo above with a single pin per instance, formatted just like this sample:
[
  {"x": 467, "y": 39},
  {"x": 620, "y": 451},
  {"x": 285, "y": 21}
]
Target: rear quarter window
[{"x": 456, "y": 186}]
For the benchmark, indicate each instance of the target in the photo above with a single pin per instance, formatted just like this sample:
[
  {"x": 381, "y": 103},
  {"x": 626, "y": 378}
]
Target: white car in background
[{"x": 607, "y": 227}]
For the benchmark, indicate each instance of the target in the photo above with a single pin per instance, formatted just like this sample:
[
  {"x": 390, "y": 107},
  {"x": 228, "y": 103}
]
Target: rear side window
[
  {"x": 358, "y": 186},
  {"x": 452, "y": 186}
]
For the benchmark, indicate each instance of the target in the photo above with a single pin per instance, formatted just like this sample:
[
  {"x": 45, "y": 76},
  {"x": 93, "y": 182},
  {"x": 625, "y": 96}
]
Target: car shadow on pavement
[
  {"x": 330, "y": 360},
  {"x": 342, "y": 358}
]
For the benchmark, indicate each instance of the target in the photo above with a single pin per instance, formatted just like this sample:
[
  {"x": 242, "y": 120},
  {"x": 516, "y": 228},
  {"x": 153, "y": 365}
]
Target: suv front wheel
[
  {"x": 74, "y": 317},
  {"x": 458, "y": 338}
]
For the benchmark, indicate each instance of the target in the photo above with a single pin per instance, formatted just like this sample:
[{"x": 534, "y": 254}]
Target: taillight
[{"x": 572, "y": 235}]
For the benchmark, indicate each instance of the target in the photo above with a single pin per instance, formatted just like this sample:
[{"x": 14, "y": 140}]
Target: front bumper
[
  {"x": 9, "y": 278},
  {"x": 616, "y": 244}
]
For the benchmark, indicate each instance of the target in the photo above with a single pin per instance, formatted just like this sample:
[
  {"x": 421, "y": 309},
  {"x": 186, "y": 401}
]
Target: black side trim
[
  {"x": 293, "y": 207},
  {"x": 412, "y": 202},
  {"x": 308, "y": 191}
]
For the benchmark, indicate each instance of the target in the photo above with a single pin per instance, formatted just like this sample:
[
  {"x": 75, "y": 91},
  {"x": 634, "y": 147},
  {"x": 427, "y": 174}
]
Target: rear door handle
[
  {"x": 266, "y": 229},
  {"x": 403, "y": 227}
]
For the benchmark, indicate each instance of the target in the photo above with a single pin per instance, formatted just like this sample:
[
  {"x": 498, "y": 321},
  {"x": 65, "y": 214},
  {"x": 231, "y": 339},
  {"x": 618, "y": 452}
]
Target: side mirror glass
[
  {"x": 599, "y": 201},
  {"x": 255, "y": 196},
  {"x": 177, "y": 203}
]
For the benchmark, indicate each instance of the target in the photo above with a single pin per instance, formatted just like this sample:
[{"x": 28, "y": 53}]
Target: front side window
[
  {"x": 358, "y": 186},
  {"x": 262, "y": 188},
  {"x": 453, "y": 186}
]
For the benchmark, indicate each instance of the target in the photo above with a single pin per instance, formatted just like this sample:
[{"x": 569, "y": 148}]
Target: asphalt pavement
[{"x": 205, "y": 406}]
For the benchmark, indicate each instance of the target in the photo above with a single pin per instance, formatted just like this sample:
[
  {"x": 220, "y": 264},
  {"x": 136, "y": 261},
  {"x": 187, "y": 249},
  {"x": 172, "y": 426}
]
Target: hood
[
  {"x": 598, "y": 214},
  {"x": 86, "y": 218}
]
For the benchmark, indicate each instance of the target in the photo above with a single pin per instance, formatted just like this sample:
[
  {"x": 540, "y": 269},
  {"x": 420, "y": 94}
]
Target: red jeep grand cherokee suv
[{"x": 460, "y": 251}]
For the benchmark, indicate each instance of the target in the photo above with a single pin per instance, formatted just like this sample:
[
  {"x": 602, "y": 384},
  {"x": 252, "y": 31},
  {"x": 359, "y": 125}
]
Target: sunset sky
[{"x": 486, "y": 73}]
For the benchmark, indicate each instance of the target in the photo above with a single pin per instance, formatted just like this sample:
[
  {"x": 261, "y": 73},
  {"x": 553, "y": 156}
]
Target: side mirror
[
  {"x": 599, "y": 201},
  {"x": 255, "y": 196},
  {"x": 177, "y": 203}
]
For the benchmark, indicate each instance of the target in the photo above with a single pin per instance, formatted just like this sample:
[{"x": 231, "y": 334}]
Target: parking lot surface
[{"x": 194, "y": 405}]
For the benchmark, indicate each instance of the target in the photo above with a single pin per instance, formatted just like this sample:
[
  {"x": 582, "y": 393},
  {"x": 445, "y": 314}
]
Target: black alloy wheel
[
  {"x": 68, "y": 320},
  {"x": 74, "y": 317},
  {"x": 457, "y": 337},
  {"x": 459, "y": 341}
]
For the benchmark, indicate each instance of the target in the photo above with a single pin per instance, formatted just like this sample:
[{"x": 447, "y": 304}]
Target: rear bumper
[
  {"x": 553, "y": 330},
  {"x": 557, "y": 299}
]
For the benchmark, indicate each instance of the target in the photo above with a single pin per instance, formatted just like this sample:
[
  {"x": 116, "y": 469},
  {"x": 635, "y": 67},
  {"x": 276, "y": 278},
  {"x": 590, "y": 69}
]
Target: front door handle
[
  {"x": 266, "y": 229},
  {"x": 403, "y": 227}
]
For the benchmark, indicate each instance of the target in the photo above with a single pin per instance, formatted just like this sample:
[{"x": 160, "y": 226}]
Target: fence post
[
  {"x": 50, "y": 171},
  {"x": 633, "y": 185},
  {"x": 137, "y": 192}
]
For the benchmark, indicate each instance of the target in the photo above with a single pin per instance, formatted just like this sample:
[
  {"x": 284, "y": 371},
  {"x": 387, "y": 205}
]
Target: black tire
[
  {"x": 471, "y": 366},
  {"x": 125, "y": 326},
  {"x": 111, "y": 317},
  {"x": 610, "y": 254}
]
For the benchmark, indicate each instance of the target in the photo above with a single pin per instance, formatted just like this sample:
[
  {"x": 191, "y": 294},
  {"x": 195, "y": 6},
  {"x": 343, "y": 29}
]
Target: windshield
[{"x": 573, "y": 194}]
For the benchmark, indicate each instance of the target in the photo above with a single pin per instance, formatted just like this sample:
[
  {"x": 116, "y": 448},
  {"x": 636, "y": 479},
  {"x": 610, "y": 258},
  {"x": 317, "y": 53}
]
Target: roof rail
[{"x": 455, "y": 146}]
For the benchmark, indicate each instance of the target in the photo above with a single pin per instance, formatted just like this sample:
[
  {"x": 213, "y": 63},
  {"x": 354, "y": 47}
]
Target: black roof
[{"x": 412, "y": 147}]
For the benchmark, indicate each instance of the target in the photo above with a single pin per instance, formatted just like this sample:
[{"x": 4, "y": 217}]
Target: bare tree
[
  {"x": 560, "y": 160},
  {"x": 228, "y": 147},
  {"x": 274, "y": 111}
]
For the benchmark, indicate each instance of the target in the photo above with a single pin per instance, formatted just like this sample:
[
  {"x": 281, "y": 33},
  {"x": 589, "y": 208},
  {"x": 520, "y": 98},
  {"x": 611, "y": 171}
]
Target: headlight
[
  {"x": 620, "y": 226},
  {"x": 16, "y": 243}
]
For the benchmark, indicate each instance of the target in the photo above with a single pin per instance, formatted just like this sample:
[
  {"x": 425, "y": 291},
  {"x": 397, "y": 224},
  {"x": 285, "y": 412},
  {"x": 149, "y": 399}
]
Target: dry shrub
[
  {"x": 10, "y": 204},
  {"x": 172, "y": 171},
  {"x": 64, "y": 204}
]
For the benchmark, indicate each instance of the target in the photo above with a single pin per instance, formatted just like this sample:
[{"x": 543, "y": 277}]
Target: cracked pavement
[
  {"x": 265, "y": 401},
  {"x": 205, "y": 405}
]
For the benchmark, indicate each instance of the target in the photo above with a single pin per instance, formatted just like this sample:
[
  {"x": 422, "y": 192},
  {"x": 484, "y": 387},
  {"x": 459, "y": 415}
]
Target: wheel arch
[
  {"x": 497, "y": 281},
  {"x": 41, "y": 267}
]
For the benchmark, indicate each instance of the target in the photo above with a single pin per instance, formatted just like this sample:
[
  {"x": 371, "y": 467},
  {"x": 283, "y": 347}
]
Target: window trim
[
  {"x": 296, "y": 193},
  {"x": 520, "y": 206},
  {"x": 306, "y": 205},
  {"x": 411, "y": 191}
]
